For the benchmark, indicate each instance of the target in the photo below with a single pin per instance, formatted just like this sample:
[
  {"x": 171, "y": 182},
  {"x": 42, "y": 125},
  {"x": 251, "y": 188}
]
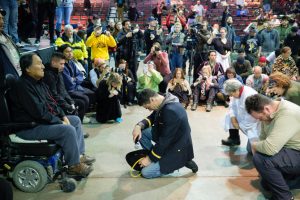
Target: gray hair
[
  {"x": 232, "y": 85},
  {"x": 68, "y": 27}
]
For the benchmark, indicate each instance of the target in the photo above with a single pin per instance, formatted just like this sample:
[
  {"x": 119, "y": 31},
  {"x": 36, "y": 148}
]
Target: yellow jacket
[
  {"x": 79, "y": 48},
  {"x": 100, "y": 45}
]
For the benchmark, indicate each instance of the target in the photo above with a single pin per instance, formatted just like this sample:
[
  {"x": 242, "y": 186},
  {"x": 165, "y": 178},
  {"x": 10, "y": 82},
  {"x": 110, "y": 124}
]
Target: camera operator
[
  {"x": 161, "y": 61},
  {"x": 128, "y": 88},
  {"x": 152, "y": 34},
  {"x": 128, "y": 46},
  {"x": 99, "y": 42},
  {"x": 200, "y": 46},
  {"x": 176, "y": 46}
]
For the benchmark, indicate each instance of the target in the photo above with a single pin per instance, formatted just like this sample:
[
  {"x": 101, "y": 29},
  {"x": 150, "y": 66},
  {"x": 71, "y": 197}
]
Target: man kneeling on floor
[
  {"x": 31, "y": 101},
  {"x": 169, "y": 128},
  {"x": 277, "y": 152}
]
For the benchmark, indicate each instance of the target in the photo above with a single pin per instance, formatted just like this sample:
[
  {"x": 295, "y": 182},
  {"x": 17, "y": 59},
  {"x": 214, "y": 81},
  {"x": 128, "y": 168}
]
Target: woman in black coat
[{"x": 108, "y": 104}]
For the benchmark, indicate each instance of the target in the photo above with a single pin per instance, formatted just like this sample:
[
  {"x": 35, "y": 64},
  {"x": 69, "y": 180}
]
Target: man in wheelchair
[{"x": 31, "y": 101}]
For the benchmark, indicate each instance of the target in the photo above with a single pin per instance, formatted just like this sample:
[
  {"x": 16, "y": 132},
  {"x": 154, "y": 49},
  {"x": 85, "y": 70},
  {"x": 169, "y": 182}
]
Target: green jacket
[
  {"x": 293, "y": 93},
  {"x": 149, "y": 81}
]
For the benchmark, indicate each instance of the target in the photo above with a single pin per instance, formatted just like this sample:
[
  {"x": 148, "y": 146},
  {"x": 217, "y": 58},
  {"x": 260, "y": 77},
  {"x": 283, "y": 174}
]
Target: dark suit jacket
[{"x": 172, "y": 134}]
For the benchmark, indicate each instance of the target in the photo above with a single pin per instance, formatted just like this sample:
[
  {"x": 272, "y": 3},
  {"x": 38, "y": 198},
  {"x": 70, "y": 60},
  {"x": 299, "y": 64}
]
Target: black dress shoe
[
  {"x": 86, "y": 135},
  {"x": 192, "y": 165}
]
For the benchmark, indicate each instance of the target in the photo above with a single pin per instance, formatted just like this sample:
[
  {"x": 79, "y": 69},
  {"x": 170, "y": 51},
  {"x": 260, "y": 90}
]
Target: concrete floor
[{"x": 223, "y": 173}]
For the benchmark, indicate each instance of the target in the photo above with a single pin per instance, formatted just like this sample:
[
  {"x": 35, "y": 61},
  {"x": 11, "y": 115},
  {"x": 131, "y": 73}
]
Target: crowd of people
[{"x": 81, "y": 77}]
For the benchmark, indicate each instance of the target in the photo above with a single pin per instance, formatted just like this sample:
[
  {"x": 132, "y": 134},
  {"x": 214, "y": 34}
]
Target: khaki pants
[{"x": 120, "y": 11}]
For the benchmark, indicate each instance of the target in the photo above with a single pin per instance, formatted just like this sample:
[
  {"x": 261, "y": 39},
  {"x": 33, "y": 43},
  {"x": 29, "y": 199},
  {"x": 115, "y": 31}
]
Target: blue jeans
[
  {"x": 62, "y": 13},
  {"x": 69, "y": 137},
  {"x": 176, "y": 61},
  {"x": 152, "y": 170},
  {"x": 11, "y": 18}
]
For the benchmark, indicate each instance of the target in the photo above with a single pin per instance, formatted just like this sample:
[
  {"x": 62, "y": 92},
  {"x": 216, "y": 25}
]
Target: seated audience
[
  {"x": 205, "y": 88},
  {"x": 242, "y": 68},
  {"x": 276, "y": 152},
  {"x": 150, "y": 78},
  {"x": 180, "y": 87},
  {"x": 285, "y": 64},
  {"x": 79, "y": 48},
  {"x": 237, "y": 117},
  {"x": 73, "y": 78},
  {"x": 229, "y": 74},
  {"x": 54, "y": 79},
  {"x": 31, "y": 101},
  {"x": 108, "y": 103},
  {"x": 280, "y": 85},
  {"x": 257, "y": 80}
]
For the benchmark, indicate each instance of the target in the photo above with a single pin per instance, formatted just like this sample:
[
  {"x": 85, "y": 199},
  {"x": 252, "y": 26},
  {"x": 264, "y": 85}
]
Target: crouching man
[
  {"x": 169, "y": 129},
  {"x": 32, "y": 102},
  {"x": 277, "y": 152}
]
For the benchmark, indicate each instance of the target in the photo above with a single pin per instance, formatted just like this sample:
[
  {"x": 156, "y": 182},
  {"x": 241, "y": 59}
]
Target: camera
[
  {"x": 204, "y": 78},
  {"x": 174, "y": 9},
  {"x": 156, "y": 48},
  {"x": 120, "y": 71},
  {"x": 218, "y": 35}
]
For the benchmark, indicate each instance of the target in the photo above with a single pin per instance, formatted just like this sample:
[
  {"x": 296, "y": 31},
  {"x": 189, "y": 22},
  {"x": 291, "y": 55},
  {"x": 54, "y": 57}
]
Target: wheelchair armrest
[{"x": 17, "y": 126}]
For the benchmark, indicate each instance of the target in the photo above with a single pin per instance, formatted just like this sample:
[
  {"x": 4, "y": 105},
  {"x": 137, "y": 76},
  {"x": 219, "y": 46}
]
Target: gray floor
[{"x": 223, "y": 173}]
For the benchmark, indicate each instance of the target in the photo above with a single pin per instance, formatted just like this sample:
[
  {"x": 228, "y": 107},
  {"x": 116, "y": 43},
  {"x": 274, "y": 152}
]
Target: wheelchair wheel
[
  {"x": 30, "y": 176},
  {"x": 68, "y": 184}
]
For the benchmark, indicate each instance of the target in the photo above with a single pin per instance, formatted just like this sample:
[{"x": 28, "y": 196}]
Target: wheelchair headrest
[{"x": 9, "y": 81}]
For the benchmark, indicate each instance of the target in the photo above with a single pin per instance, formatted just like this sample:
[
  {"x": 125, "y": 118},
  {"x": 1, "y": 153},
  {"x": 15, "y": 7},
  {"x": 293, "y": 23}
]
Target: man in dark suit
[{"x": 169, "y": 128}]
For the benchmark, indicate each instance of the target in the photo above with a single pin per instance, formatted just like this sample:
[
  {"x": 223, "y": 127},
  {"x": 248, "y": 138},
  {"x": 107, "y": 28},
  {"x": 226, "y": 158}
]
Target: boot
[
  {"x": 87, "y": 159},
  {"x": 233, "y": 139},
  {"x": 194, "y": 107},
  {"x": 80, "y": 169},
  {"x": 208, "y": 107}
]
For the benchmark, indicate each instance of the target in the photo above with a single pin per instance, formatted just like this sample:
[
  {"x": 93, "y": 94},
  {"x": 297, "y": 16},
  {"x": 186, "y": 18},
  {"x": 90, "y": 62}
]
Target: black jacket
[
  {"x": 172, "y": 134},
  {"x": 31, "y": 101},
  {"x": 55, "y": 82}
]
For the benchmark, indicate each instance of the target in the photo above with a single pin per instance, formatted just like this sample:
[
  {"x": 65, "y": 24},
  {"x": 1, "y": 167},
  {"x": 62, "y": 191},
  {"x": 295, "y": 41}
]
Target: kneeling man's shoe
[
  {"x": 80, "y": 169},
  {"x": 231, "y": 142},
  {"x": 88, "y": 160},
  {"x": 192, "y": 165}
]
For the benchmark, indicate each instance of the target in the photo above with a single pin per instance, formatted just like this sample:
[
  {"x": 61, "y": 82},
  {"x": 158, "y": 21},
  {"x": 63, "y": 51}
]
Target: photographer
[
  {"x": 200, "y": 47},
  {"x": 161, "y": 61},
  {"x": 128, "y": 88},
  {"x": 174, "y": 17},
  {"x": 99, "y": 42},
  {"x": 99, "y": 72},
  {"x": 152, "y": 34},
  {"x": 176, "y": 46},
  {"x": 128, "y": 46}
]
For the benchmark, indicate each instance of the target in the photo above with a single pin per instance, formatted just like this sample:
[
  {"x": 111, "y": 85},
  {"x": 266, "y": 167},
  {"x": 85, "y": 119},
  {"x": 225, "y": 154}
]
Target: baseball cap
[
  {"x": 262, "y": 59},
  {"x": 150, "y": 19},
  {"x": 3, "y": 12}
]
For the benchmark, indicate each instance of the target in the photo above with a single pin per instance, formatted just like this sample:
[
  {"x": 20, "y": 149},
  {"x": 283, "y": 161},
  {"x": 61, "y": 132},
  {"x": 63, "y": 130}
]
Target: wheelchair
[{"x": 30, "y": 164}]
